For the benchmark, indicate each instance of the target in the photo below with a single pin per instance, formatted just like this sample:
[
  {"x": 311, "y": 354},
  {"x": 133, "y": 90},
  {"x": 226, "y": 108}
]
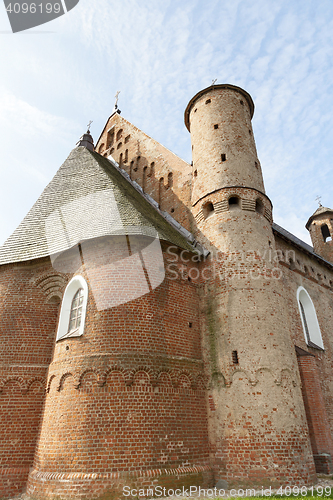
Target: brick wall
[
  {"x": 300, "y": 269},
  {"x": 258, "y": 429},
  {"x": 320, "y": 435},
  {"x": 160, "y": 173},
  {"x": 27, "y": 332},
  {"x": 128, "y": 397}
]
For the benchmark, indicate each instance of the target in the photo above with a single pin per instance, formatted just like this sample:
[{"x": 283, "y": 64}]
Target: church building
[{"x": 157, "y": 327}]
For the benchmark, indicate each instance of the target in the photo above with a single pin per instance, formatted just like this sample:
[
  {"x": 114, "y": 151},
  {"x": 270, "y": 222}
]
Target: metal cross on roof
[
  {"x": 88, "y": 126},
  {"x": 214, "y": 81},
  {"x": 116, "y": 96},
  {"x": 318, "y": 199}
]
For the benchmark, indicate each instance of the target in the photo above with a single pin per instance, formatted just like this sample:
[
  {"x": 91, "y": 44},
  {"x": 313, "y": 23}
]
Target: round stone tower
[
  {"x": 320, "y": 226},
  {"x": 219, "y": 119},
  {"x": 258, "y": 430}
]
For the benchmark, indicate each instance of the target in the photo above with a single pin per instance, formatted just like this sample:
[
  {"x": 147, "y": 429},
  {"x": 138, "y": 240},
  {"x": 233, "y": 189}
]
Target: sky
[{"x": 57, "y": 77}]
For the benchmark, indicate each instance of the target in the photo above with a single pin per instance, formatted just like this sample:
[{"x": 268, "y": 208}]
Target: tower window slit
[
  {"x": 260, "y": 207},
  {"x": 235, "y": 357},
  {"x": 223, "y": 157},
  {"x": 208, "y": 209},
  {"x": 233, "y": 202},
  {"x": 110, "y": 138}
]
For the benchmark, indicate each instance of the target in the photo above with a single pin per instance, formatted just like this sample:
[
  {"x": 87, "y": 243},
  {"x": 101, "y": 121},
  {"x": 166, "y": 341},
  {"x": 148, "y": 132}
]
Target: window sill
[
  {"x": 73, "y": 333},
  {"x": 314, "y": 346}
]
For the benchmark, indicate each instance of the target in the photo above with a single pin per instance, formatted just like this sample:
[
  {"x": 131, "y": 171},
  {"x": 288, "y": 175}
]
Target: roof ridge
[
  {"x": 171, "y": 220},
  {"x": 142, "y": 132},
  {"x": 298, "y": 242}
]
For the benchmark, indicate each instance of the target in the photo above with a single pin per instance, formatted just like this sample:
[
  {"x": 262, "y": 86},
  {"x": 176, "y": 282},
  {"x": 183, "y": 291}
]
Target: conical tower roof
[
  {"x": 320, "y": 211},
  {"x": 88, "y": 197},
  {"x": 87, "y": 141}
]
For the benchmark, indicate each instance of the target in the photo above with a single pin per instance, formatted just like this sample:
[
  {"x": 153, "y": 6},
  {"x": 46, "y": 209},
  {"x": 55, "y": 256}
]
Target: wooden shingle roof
[{"x": 88, "y": 198}]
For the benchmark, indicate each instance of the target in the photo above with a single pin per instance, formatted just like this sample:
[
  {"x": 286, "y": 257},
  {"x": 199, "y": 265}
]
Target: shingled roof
[
  {"x": 320, "y": 211},
  {"x": 89, "y": 197}
]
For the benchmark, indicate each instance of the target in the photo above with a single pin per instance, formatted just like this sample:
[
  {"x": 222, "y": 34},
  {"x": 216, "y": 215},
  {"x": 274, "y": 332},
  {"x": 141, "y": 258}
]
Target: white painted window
[
  {"x": 73, "y": 309},
  {"x": 309, "y": 319}
]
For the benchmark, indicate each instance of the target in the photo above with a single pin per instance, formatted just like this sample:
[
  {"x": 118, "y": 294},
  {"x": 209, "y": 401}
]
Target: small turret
[
  {"x": 320, "y": 226},
  {"x": 86, "y": 140}
]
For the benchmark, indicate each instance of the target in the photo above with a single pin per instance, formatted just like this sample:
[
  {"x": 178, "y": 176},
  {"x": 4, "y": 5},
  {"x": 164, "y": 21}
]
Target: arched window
[
  {"x": 309, "y": 319},
  {"x": 76, "y": 311},
  {"x": 110, "y": 138},
  {"x": 73, "y": 309},
  {"x": 326, "y": 233}
]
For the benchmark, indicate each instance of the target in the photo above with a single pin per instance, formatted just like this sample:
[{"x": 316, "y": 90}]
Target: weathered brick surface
[
  {"x": 129, "y": 395},
  {"x": 160, "y": 173},
  {"x": 299, "y": 269},
  {"x": 195, "y": 377},
  {"x": 223, "y": 148},
  {"x": 259, "y": 424},
  {"x": 322, "y": 245},
  {"x": 27, "y": 332},
  {"x": 320, "y": 435}
]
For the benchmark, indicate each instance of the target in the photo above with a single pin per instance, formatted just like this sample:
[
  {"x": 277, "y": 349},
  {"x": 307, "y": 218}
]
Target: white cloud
[{"x": 28, "y": 120}]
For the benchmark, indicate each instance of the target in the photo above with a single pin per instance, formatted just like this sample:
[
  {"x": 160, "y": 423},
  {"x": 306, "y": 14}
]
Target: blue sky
[{"x": 159, "y": 53}]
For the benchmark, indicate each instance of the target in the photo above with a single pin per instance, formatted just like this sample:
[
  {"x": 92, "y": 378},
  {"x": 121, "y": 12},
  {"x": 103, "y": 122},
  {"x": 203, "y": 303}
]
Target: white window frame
[
  {"x": 73, "y": 286},
  {"x": 312, "y": 326}
]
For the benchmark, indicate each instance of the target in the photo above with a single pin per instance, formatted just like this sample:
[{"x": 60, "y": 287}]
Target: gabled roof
[
  {"x": 88, "y": 198},
  {"x": 290, "y": 238}
]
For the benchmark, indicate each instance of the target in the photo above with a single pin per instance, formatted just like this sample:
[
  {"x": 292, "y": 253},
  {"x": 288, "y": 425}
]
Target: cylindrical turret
[
  {"x": 223, "y": 148},
  {"x": 320, "y": 226},
  {"x": 258, "y": 429}
]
